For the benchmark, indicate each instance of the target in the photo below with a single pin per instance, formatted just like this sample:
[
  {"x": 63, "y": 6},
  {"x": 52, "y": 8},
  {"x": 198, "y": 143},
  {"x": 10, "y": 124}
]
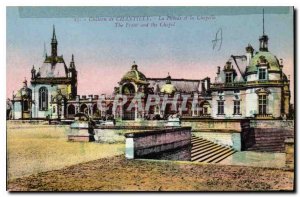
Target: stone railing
[
  {"x": 166, "y": 143},
  {"x": 263, "y": 116},
  {"x": 248, "y": 83}
]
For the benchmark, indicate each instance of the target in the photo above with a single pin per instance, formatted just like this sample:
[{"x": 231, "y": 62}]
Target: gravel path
[{"x": 118, "y": 174}]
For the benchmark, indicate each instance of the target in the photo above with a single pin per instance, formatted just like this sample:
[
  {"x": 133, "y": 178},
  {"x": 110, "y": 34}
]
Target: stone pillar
[
  {"x": 180, "y": 109},
  {"x": 135, "y": 111},
  {"x": 76, "y": 108},
  {"x": 193, "y": 111},
  {"x": 289, "y": 153},
  {"x": 62, "y": 111},
  {"x": 121, "y": 112},
  {"x": 92, "y": 112}
]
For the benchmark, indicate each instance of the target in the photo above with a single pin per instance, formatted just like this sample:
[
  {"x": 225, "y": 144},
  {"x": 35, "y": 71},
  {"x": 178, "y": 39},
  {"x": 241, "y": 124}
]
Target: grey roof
[
  {"x": 181, "y": 85},
  {"x": 53, "y": 67}
]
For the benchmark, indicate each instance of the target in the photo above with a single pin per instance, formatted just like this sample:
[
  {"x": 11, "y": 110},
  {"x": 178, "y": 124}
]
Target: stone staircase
[{"x": 209, "y": 152}]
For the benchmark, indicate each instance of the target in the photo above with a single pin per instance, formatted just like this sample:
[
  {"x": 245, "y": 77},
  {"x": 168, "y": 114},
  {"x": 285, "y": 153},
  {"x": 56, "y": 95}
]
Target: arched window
[
  {"x": 43, "y": 99},
  {"x": 96, "y": 111},
  {"x": 84, "y": 108},
  {"x": 71, "y": 109},
  {"x": 128, "y": 89}
]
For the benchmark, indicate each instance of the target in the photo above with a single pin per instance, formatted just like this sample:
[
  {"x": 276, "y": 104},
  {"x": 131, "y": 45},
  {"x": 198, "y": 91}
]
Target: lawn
[{"x": 32, "y": 149}]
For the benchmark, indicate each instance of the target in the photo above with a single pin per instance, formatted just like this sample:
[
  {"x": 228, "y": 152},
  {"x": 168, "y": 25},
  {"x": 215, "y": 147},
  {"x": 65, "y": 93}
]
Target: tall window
[
  {"x": 262, "y": 74},
  {"x": 25, "y": 105},
  {"x": 262, "y": 104},
  {"x": 43, "y": 99},
  {"x": 221, "y": 107},
  {"x": 236, "y": 107},
  {"x": 228, "y": 77},
  {"x": 205, "y": 110}
]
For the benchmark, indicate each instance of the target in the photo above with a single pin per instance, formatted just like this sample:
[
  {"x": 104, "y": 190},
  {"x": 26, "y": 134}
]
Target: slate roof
[{"x": 181, "y": 85}]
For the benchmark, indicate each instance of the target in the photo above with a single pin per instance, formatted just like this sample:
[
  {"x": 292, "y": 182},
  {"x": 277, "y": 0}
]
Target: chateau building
[
  {"x": 51, "y": 86},
  {"x": 257, "y": 90}
]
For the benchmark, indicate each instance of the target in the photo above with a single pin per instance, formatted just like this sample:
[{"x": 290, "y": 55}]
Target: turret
[
  {"x": 72, "y": 63},
  {"x": 263, "y": 43},
  {"x": 73, "y": 76},
  {"x": 134, "y": 66},
  {"x": 263, "y": 40},
  {"x": 53, "y": 44},
  {"x": 33, "y": 72},
  {"x": 25, "y": 83}
]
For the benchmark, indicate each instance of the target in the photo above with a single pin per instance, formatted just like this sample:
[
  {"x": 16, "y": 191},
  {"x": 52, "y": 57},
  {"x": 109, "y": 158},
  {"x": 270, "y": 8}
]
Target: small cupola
[{"x": 134, "y": 66}]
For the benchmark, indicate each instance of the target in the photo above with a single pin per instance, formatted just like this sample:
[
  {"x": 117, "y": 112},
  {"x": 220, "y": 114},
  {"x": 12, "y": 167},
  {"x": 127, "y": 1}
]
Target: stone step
[
  {"x": 223, "y": 157},
  {"x": 202, "y": 145},
  {"x": 209, "y": 151},
  {"x": 205, "y": 147},
  {"x": 202, "y": 151},
  {"x": 206, "y": 157},
  {"x": 216, "y": 157},
  {"x": 197, "y": 140}
]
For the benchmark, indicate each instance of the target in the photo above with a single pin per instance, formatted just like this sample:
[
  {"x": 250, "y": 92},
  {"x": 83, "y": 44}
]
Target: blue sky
[{"x": 103, "y": 53}]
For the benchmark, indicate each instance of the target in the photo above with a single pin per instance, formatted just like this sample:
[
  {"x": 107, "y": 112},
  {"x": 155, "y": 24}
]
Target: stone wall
[
  {"x": 145, "y": 123},
  {"x": 289, "y": 153},
  {"x": 210, "y": 124},
  {"x": 267, "y": 135},
  {"x": 116, "y": 134},
  {"x": 166, "y": 143}
]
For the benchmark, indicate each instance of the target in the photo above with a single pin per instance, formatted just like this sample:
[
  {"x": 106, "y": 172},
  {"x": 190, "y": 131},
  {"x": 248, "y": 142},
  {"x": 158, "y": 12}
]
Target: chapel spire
[{"x": 54, "y": 44}]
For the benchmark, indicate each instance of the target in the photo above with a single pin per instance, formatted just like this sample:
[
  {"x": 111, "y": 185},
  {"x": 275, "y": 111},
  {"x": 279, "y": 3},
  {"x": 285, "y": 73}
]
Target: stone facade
[{"x": 251, "y": 86}]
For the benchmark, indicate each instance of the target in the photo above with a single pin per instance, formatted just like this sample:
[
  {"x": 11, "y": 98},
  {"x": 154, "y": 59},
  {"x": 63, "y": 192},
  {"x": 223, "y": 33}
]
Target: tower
[
  {"x": 73, "y": 76},
  {"x": 263, "y": 40},
  {"x": 53, "y": 44}
]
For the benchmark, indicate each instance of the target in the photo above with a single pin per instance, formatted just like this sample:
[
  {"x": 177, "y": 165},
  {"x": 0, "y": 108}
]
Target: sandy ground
[
  {"x": 33, "y": 148},
  {"x": 119, "y": 174},
  {"x": 40, "y": 159}
]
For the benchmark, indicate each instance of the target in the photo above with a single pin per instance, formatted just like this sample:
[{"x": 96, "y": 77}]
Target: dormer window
[
  {"x": 262, "y": 74},
  {"x": 228, "y": 78}
]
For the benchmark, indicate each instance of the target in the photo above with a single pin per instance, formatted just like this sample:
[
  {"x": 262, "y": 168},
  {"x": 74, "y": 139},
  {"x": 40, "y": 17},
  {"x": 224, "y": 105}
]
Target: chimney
[
  {"x": 219, "y": 70},
  {"x": 249, "y": 53}
]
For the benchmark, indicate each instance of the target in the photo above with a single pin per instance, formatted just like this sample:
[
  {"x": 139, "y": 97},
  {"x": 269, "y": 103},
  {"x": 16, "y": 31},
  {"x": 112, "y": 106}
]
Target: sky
[{"x": 104, "y": 52}]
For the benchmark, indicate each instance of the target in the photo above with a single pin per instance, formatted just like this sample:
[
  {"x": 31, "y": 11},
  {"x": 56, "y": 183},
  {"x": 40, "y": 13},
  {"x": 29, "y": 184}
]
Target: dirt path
[{"x": 119, "y": 174}]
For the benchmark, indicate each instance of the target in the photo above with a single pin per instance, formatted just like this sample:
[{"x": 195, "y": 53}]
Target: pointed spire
[
  {"x": 263, "y": 21},
  {"x": 54, "y": 44},
  {"x": 25, "y": 82},
  {"x": 45, "y": 51},
  {"x": 54, "y": 35},
  {"x": 72, "y": 63},
  {"x": 263, "y": 40}
]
